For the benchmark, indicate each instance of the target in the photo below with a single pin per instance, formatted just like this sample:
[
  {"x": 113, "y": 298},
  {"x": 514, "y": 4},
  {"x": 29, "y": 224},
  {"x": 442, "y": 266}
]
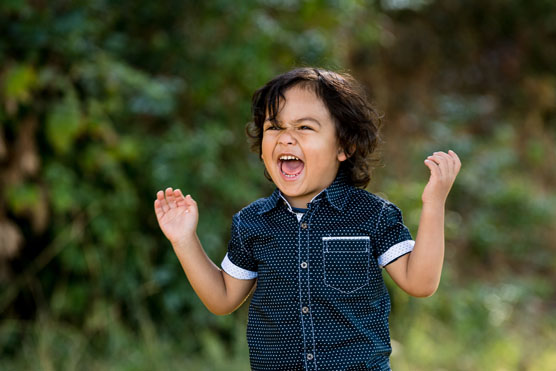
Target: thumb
[{"x": 433, "y": 167}]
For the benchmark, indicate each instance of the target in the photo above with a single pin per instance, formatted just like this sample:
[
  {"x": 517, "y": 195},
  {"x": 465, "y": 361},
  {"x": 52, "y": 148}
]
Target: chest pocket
[{"x": 346, "y": 262}]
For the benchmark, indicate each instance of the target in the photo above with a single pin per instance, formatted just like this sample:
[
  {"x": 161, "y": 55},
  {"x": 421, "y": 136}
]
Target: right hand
[{"x": 177, "y": 215}]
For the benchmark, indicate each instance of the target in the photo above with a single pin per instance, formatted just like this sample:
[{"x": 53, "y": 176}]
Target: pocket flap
[{"x": 346, "y": 244}]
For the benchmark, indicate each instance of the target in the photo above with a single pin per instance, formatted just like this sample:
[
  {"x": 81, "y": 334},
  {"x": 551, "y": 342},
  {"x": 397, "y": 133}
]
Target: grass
[{"x": 484, "y": 326}]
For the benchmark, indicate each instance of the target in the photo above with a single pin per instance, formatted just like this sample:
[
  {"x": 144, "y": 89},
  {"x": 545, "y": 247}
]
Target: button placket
[{"x": 304, "y": 286}]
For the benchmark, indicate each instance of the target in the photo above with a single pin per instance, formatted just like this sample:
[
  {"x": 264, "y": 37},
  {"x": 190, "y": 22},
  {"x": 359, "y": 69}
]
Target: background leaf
[{"x": 104, "y": 103}]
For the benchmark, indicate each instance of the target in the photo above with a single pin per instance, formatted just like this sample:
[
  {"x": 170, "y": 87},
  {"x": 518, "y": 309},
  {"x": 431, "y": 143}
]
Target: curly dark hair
[{"x": 357, "y": 123}]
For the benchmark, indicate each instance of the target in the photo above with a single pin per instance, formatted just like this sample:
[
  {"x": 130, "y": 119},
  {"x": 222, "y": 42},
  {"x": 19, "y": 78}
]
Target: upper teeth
[{"x": 287, "y": 157}]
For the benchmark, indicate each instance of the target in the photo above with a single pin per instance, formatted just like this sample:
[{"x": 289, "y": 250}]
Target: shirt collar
[
  {"x": 271, "y": 202},
  {"x": 336, "y": 193}
]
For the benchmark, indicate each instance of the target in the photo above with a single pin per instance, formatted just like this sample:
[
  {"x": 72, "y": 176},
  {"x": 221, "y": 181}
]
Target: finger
[
  {"x": 162, "y": 201},
  {"x": 439, "y": 162},
  {"x": 433, "y": 167},
  {"x": 447, "y": 164},
  {"x": 191, "y": 203},
  {"x": 170, "y": 198},
  {"x": 457, "y": 161},
  {"x": 178, "y": 194},
  {"x": 449, "y": 171},
  {"x": 158, "y": 209},
  {"x": 180, "y": 199},
  {"x": 451, "y": 165}
]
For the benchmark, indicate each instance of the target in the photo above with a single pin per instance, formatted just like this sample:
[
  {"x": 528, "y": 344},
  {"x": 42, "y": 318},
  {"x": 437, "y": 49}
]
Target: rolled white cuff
[
  {"x": 395, "y": 252},
  {"x": 235, "y": 271}
]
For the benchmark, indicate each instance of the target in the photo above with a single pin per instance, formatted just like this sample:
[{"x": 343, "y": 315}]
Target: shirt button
[
  {"x": 309, "y": 356},
  {"x": 304, "y": 225},
  {"x": 305, "y": 310},
  {"x": 304, "y": 265}
]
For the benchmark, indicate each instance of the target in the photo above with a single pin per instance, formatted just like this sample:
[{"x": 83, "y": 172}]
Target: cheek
[
  {"x": 266, "y": 154},
  {"x": 264, "y": 148}
]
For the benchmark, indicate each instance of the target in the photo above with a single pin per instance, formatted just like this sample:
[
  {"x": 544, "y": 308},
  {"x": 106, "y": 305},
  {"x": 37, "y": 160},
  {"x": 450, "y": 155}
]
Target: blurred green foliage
[{"x": 104, "y": 103}]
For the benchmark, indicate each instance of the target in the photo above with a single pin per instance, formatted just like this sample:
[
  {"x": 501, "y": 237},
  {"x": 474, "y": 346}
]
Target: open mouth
[{"x": 290, "y": 166}]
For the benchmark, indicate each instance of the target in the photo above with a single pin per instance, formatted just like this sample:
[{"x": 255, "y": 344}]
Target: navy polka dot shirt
[{"x": 320, "y": 300}]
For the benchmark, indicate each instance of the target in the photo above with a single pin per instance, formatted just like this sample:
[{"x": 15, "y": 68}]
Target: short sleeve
[
  {"x": 392, "y": 238},
  {"x": 239, "y": 262}
]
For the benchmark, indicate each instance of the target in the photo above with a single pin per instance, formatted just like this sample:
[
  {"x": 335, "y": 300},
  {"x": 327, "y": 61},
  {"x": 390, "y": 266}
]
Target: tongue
[{"x": 292, "y": 167}]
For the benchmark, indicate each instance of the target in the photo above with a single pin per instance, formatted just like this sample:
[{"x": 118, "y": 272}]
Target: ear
[{"x": 342, "y": 156}]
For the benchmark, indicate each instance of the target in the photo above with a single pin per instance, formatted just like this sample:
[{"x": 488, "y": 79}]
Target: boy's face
[{"x": 301, "y": 153}]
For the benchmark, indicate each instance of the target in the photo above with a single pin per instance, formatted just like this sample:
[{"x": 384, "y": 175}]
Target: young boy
[{"x": 316, "y": 246}]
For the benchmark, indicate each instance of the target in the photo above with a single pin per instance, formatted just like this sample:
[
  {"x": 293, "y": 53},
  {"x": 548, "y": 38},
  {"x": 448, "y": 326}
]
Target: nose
[{"x": 287, "y": 137}]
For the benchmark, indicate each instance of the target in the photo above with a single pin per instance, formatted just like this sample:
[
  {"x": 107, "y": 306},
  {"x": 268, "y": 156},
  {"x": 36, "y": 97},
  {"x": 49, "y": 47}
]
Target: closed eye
[
  {"x": 305, "y": 127},
  {"x": 272, "y": 127}
]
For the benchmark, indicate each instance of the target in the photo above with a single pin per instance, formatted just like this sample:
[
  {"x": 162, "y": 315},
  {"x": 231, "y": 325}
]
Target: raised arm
[
  {"x": 177, "y": 217},
  {"x": 418, "y": 273}
]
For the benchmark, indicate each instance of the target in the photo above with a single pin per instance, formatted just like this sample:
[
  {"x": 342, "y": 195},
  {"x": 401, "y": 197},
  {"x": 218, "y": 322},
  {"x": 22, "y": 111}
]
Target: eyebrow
[
  {"x": 307, "y": 119},
  {"x": 296, "y": 121}
]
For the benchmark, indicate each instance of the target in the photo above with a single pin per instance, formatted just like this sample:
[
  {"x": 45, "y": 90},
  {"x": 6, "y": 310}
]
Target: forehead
[{"x": 301, "y": 100}]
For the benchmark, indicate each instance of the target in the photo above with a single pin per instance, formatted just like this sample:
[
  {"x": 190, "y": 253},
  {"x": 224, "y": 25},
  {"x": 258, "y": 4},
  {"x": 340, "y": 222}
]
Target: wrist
[
  {"x": 185, "y": 242},
  {"x": 434, "y": 204}
]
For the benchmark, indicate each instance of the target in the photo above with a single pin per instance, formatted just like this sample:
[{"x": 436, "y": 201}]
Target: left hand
[{"x": 444, "y": 168}]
